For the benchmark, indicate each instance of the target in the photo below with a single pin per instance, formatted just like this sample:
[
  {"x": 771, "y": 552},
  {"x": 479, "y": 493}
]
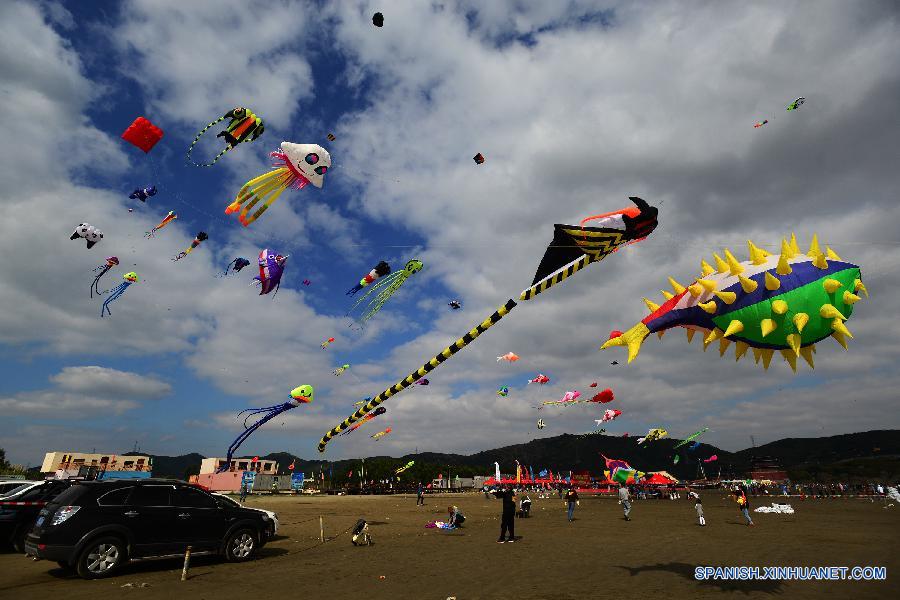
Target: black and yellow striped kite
[{"x": 573, "y": 247}]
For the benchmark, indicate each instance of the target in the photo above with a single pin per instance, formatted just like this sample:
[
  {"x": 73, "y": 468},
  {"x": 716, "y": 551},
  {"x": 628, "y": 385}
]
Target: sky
[{"x": 576, "y": 105}]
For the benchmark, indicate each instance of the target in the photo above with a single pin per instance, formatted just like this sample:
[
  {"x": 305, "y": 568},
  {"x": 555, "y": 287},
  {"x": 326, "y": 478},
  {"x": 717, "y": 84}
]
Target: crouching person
[{"x": 456, "y": 518}]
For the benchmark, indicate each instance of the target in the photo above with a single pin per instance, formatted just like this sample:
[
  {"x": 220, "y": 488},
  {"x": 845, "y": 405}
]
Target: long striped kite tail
[
  {"x": 197, "y": 139},
  {"x": 419, "y": 373}
]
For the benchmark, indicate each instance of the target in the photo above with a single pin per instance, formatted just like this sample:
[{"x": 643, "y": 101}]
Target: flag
[
  {"x": 350, "y": 473},
  {"x": 518, "y": 472},
  {"x": 543, "y": 473},
  {"x": 497, "y": 471},
  {"x": 291, "y": 466}
]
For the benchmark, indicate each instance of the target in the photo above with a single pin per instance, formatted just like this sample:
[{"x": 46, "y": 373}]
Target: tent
[{"x": 659, "y": 479}]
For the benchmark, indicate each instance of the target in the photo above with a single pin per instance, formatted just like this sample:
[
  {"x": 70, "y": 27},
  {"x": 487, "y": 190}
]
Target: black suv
[
  {"x": 17, "y": 514},
  {"x": 97, "y": 526}
]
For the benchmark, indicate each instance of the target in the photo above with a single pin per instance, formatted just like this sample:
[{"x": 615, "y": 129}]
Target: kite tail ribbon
[{"x": 419, "y": 373}]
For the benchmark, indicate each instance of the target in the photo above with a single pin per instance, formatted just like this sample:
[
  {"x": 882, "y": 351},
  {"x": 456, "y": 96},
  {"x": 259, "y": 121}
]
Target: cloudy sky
[{"x": 576, "y": 106}]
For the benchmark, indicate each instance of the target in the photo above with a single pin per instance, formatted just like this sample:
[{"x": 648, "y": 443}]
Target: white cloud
[{"x": 103, "y": 381}]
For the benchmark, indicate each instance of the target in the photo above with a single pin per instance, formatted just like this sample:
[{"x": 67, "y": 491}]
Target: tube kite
[
  {"x": 380, "y": 434},
  {"x": 299, "y": 395},
  {"x": 169, "y": 218},
  {"x": 271, "y": 268},
  {"x": 690, "y": 438},
  {"x": 378, "y": 411},
  {"x": 111, "y": 261},
  {"x": 380, "y": 270},
  {"x": 404, "y": 467},
  {"x": 296, "y": 166},
  {"x": 244, "y": 126},
  {"x": 760, "y": 123},
  {"x": 327, "y": 342},
  {"x": 786, "y": 303},
  {"x": 201, "y": 236},
  {"x": 796, "y": 103},
  {"x": 118, "y": 291},
  {"x": 572, "y": 249},
  {"x": 337, "y": 372},
  {"x": 384, "y": 289},
  {"x": 89, "y": 233}
]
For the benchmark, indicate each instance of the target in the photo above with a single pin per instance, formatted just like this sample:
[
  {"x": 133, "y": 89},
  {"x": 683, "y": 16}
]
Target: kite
[
  {"x": 608, "y": 415},
  {"x": 620, "y": 471},
  {"x": 143, "y": 134},
  {"x": 361, "y": 402},
  {"x": 201, "y": 236},
  {"x": 541, "y": 379},
  {"x": 653, "y": 435},
  {"x": 271, "y": 268},
  {"x": 711, "y": 459},
  {"x": 540, "y": 424},
  {"x": 690, "y": 438},
  {"x": 604, "y": 397},
  {"x": 378, "y": 411},
  {"x": 625, "y": 435},
  {"x": 378, "y": 19},
  {"x": 593, "y": 384},
  {"x": 111, "y": 261},
  {"x": 327, "y": 342},
  {"x": 787, "y": 303},
  {"x": 296, "y": 165},
  {"x": 380, "y": 270},
  {"x": 236, "y": 265},
  {"x": 454, "y": 304},
  {"x": 118, "y": 291},
  {"x": 143, "y": 194},
  {"x": 384, "y": 289},
  {"x": 693, "y": 446},
  {"x": 299, "y": 395},
  {"x": 380, "y": 434},
  {"x": 89, "y": 233},
  {"x": 306, "y": 282},
  {"x": 760, "y": 123},
  {"x": 404, "y": 467},
  {"x": 478, "y": 158},
  {"x": 509, "y": 357},
  {"x": 337, "y": 372},
  {"x": 569, "y": 397},
  {"x": 615, "y": 362},
  {"x": 572, "y": 249},
  {"x": 422, "y": 382},
  {"x": 169, "y": 218},
  {"x": 330, "y": 137},
  {"x": 796, "y": 103},
  {"x": 244, "y": 126},
  {"x": 503, "y": 392},
  {"x": 676, "y": 459}
]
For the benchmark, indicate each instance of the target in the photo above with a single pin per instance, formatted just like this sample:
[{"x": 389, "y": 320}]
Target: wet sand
[{"x": 598, "y": 555}]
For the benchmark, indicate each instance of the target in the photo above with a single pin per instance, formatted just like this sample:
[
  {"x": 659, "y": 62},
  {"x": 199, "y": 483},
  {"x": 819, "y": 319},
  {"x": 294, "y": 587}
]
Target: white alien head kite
[{"x": 296, "y": 165}]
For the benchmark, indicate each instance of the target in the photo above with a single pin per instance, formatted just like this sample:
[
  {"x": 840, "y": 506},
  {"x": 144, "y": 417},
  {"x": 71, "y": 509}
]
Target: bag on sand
[{"x": 360, "y": 534}]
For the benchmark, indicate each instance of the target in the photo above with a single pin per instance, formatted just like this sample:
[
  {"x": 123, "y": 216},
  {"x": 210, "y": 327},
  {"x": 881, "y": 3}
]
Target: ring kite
[{"x": 244, "y": 126}]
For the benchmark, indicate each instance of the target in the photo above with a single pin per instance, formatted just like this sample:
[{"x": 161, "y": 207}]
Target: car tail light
[{"x": 63, "y": 514}]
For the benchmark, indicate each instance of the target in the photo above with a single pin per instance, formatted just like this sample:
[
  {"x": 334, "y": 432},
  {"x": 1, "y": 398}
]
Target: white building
[
  {"x": 212, "y": 465},
  {"x": 73, "y": 461}
]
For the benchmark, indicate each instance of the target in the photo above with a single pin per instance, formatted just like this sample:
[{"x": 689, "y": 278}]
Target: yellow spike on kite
[
  {"x": 772, "y": 282},
  {"x": 721, "y": 265},
  {"x": 747, "y": 284},
  {"x": 794, "y": 342},
  {"x": 757, "y": 354},
  {"x": 807, "y": 353},
  {"x": 707, "y": 284},
  {"x": 767, "y": 326},
  {"x": 814, "y": 250},
  {"x": 690, "y": 334},
  {"x": 859, "y": 287},
  {"x": 695, "y": 289},
  {"x": 713, "y": 336},
  {"x": 740, "y": 349},
  {"x": 779, "y": 307},
  {"x": 709, "y": 307},
  {"x": 786, "y": 249},
  {"x": 850, "y": 298},
  {"x": 838, "y": 325},
  {"x": 723, "y": 346},
  {"x": 734, "y": 327},
  {"x": 783, "y": 267},
  {"x": 791, "y": 358},
  {"x": 819, "y": 261},
  {"x": 706, "y": 268},
  {"x": 757, "y": 257},
  {"x": 767, "y": 357},
  {"x": 831, "y": 254},
  {"x": 832, "y": 285},
  {"x": 667, "y": 295},
  {"x": 800, "y": 320},
  {"x": 794, "y": 245},
  {"x": 726, "y": 297},
  {"x": 829, "y": 312},
  {"x": 679, "y": 289},
  {"x": 840, "y": 338},
  {"x": 734, "y": 265},
  {"x": 651, "y": 305}
]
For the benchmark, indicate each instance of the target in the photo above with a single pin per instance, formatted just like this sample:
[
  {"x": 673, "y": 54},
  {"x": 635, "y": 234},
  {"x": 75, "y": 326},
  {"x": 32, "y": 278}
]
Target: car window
[
  {"x": 187, "y": 497},
  {"x": 150, "y": 495},
  {"x": 115, "y": 497},
  {"x": 44, "y": 492},
  {"x": 70, "y": 495},
  {"x": 12, "y": 488}
]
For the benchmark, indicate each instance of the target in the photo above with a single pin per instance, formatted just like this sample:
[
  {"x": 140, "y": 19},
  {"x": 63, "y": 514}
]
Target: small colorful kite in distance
[
  {"x": 271, "y": 268},
  {"x": 796, "y": 103},
  {"x": 118, "y": 291},
  {"x": 379, "y": 271},
  {"x": 711, "y": 459},
  {"x": 540, "y": 424},
  {"x": 306, "y": 282},
  {"x": 111, "y": 261},
  {"x": 378, "y": 19},
  {"x": 760, "y": 123},
  {"x": 690, "y": 438},
  {"x": 455, "y": 304},
  {"x": 478, "y": 158},
  {"x": 143, "y": 193},
  {"x": 143, "y": 134},
  {"x": 652, "y": 435},
  {"x": 380, "y": 434},
  {"x": 510, "y": 357},
  {"x": 541, "y": 379},
  {"x": 201, "y": 237},
  {"x": 593, "y": 384},
  {"x": 169, "y": 218},
  {"x": 236, "y": 265},
  {"x": 327, "y": 342},
  {"x": 384, "y": 289},
  {"x": 422, "y": 381},
  {"x": 503, "y": 392},
  {"x": 337, "y": 372}
]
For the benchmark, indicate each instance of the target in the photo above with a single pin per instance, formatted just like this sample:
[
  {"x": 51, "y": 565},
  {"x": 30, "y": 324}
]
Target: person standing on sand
[
  {"x": 741, "y": 498},
  {"x": 420, "y": 495},
  {"x": 625, "y": 500},
  {"x": 508, "y": 517},
  {"x": 571, "y": 501},
  {"x": 243, "y": 492},
  {"x": 698, "y": 506}
]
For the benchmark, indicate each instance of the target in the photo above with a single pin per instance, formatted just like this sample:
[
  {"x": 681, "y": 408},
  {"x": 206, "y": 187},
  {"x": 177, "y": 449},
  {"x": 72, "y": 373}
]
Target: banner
[
  {"x": 297, "y": 481},
  {"x": 247, "y": 479}
]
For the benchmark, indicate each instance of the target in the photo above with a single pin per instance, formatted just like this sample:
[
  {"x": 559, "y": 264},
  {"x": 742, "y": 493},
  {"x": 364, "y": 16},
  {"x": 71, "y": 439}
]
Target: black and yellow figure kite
[
  {"x": 244, "y": 126},
  {"x": 573, "y": 248}
]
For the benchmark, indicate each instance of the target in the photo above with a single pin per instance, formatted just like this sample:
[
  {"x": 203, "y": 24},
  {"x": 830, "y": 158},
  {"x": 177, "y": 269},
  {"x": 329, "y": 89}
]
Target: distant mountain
[{"x": 866, "y": 454}]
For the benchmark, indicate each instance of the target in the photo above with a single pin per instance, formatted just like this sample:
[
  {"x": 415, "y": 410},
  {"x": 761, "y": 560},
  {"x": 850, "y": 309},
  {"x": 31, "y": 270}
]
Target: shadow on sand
[{"x": 687, "y": 572}]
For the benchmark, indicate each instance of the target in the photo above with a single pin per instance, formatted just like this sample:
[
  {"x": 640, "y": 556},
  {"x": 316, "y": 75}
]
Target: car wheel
[
  {"x": 18, "y": 540},
  {"x": 101, "y": 558},
  {"x": 240, "y": 545}
]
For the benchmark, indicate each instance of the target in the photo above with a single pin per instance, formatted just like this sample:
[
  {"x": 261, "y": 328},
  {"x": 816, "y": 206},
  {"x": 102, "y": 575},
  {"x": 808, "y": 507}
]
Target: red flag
[
  {"x": 255, "y": 459},
  {"x": 350, "y": 473},
  {"x": 291, "y": 466}
]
